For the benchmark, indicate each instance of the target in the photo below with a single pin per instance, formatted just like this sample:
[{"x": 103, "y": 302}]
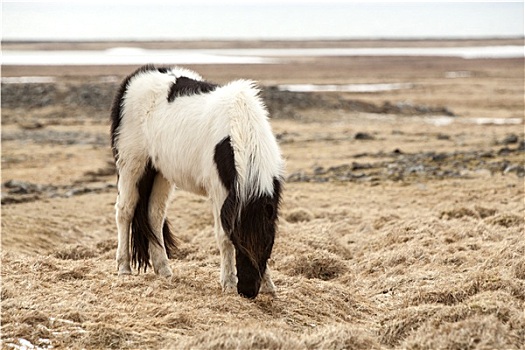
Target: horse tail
[
  {"x": 141, "y": 231},
  {"x": 251, "y": 207}
]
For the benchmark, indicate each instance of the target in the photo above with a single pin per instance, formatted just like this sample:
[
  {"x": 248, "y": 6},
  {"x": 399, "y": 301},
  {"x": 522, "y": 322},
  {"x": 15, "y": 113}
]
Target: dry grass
[
  {"x": 382, "y": 281},
  {"x": 377, "y": 263}
]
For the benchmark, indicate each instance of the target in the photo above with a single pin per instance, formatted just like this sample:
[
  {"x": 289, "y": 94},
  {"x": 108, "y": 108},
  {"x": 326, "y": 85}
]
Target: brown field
[{"x": 396, "y": 231}]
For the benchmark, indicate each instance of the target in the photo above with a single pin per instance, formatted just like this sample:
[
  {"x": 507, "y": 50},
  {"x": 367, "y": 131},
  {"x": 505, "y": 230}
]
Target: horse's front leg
[
  {"x": 267, "y": 286},
  {"x": 228, "y": 277}
]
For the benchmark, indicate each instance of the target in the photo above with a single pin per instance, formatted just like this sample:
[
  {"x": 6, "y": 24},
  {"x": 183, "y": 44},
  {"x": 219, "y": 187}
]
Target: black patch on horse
[
  {"x": 184, "y": 86},
  {"x": 225, "y": 163},
  {"x": 116, "y": 108}
]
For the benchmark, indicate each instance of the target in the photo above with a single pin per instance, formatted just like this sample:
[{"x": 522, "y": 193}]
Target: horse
[{"x": 171, "y": 129}]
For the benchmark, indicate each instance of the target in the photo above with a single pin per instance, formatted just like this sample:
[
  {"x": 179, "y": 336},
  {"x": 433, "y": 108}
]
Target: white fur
[{"x": 180, "y": 138}]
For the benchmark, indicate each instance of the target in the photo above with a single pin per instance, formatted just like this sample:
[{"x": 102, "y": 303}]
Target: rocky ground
[{"x": 46, "y": 101}]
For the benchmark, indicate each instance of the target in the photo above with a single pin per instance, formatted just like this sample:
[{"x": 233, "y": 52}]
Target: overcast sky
[{"x": 258, "y": 19}]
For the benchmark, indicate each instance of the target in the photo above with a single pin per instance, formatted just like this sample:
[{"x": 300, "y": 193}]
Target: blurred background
[{"x": 248, "y": 25}]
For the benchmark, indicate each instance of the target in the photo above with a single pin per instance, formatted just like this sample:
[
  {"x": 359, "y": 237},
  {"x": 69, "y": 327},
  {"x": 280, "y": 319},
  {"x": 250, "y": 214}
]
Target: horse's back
[{"x": 177, "y": 119}]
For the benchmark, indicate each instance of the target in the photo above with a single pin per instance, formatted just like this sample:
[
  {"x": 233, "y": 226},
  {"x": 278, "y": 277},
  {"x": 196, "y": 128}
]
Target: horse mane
[{"x": 257, "y": 155}]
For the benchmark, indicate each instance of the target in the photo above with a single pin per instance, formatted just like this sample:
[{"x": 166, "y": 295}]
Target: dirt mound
[
  {"x": 287, "y": 104},
  {"x": 97, "y": 97},
  {"x": 400, "y": 166}
]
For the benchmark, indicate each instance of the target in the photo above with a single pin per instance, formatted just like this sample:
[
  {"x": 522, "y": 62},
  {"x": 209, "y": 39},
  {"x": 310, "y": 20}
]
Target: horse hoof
[
  {"x": 269, "y": 292},
  {"x": 164, "y": 271},
  {"x": 229, "y": 289},
  {"x": 124, "y": 270},
  {"x": 268, "y": 288}
]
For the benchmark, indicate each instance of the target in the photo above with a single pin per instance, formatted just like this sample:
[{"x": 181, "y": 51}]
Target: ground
[{"x": 401, "y": 227}]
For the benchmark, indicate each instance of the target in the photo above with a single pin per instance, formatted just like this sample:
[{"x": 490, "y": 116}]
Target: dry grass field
[{"x": 400, "y": 228}]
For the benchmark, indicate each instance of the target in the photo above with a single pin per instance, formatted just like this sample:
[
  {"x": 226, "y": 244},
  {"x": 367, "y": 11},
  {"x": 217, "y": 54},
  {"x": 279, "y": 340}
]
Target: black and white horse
[{"x": 171, "y": 129}]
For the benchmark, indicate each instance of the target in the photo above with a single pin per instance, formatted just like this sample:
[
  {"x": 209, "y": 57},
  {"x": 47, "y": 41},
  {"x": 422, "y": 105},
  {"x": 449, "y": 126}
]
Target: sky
[{"x": 258, "y": 19}]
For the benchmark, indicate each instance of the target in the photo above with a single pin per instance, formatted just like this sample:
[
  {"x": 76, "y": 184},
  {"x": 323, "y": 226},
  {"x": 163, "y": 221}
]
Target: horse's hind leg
[
  {"x": 126, "y": 201},
  {"x": 158, "y": 202}
]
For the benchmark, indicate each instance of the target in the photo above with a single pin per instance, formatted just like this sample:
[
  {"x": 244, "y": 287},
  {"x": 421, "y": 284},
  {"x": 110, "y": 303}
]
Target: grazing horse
[{"x": 171, "y": 129}]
